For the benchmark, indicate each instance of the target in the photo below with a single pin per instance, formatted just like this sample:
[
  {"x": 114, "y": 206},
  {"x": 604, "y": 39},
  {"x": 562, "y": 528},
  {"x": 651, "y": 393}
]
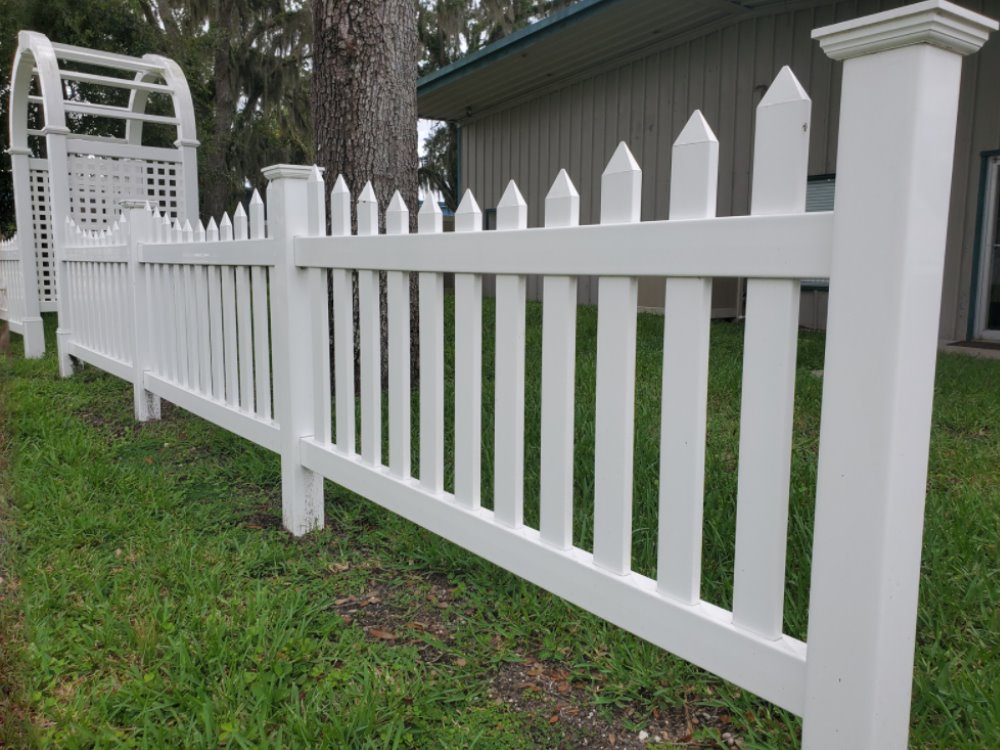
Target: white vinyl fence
[
  {"x": 11, "y": 286},
  {"x": 231, "y": 322}
]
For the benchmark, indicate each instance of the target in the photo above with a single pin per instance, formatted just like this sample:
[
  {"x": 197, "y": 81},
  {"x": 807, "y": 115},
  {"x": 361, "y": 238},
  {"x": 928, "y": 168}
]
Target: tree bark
[
  {"x": 365, "y": 110},
  {"x": 217, "y": 190}
]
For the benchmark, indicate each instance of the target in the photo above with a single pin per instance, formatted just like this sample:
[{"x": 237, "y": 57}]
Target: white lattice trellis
[{"x": 41, "y": 231}]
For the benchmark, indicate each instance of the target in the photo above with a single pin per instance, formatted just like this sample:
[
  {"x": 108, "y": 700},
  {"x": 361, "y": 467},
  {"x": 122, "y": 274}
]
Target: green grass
[{"x": 150, "y": 597}]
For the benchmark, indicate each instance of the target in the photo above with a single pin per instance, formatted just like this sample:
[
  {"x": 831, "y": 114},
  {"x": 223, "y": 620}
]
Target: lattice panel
[
  {"x": 97, "y": 184},
  {"x": 164, "y": 186},
  {"x": 41, "y": 227}
]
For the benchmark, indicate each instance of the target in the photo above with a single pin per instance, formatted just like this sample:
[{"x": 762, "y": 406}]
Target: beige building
[{"x": 563, "y": 92}]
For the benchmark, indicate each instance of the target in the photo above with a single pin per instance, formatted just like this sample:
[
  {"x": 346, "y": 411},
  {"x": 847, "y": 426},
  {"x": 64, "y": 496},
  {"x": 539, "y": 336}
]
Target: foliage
[
  {"x": 164, "y": 607},
  {"x": 254, "y": 113},
  {"x": 253, "y": 61}
]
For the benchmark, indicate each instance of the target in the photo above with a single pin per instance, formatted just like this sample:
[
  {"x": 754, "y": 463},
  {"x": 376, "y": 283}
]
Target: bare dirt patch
[{"x": 543, "y": 689}]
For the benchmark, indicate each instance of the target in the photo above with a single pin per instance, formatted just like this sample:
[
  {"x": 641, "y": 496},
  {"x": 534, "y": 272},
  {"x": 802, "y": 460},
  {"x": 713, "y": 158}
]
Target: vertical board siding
[{"x": 646, "y": 102}]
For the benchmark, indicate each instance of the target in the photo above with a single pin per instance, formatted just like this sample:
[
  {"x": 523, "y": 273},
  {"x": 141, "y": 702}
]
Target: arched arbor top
[{"x": 62, "y": 89}]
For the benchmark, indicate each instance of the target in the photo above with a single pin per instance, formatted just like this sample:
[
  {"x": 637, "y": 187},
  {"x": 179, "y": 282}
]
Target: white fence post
[
  {"x": 139, "y": 229},
  {"x": 288, "y": 216},
  {"x": 897, "y": 134},
  {"x": 33, "y": 332}
]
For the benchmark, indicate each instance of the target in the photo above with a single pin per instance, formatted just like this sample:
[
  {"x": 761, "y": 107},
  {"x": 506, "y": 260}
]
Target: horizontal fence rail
[{"x": 234, "y": 321}]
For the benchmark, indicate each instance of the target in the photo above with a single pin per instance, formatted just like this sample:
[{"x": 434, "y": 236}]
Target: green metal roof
[
  {"x": 587, "y": 34},
  {"x": 510, "y": 44}
]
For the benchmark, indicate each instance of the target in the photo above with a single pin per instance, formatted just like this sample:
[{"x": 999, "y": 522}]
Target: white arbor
[{"x": 65, "y": 101}]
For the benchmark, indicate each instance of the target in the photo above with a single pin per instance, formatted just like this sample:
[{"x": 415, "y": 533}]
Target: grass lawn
[{"x": 149, "y": 597}]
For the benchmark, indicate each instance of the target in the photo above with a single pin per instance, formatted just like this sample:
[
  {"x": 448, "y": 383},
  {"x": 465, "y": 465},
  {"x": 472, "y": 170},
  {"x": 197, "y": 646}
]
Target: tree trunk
[
  {"x": 365, "y": 109},
  {"x": 217, "y": 191}
]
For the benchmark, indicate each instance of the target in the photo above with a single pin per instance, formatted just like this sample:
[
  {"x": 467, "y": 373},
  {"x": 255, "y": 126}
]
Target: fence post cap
[
  {"x": 287, "y": 171},
  {"x": 936, "y": 22}
]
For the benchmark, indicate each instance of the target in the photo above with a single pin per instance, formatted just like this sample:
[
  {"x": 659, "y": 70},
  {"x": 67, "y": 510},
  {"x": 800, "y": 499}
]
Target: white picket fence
[
  {"x": 231, "y": 322},
  {"x": 11, "y": 288}
]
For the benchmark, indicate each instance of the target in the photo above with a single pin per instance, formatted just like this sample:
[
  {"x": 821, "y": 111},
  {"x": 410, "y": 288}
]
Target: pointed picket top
[
  {"x": 621, "y": 188},
  {"x": 188, "y": 231},
  {"x": 622, "y": 161},
  {"x": 781, "y": 148},
  {"x": 225, "y": 228},
  {"x": 257, "y": 229},
  {"x": 315, "y": 205},
  {"x": 148, "y": 208},
  {"x": 199, "y": 232},
  {"x": 340, "y": 208},
  {"x": 512, "y": 210},
  {"x": 397, "y": 216},
  {"x": 240, "y": 224},
  {"x": 368, "y": 194},
  {"x": 694, "y": 171},
  {"x": 429, "y": 218},
  {"x": 178, "y": 230},
  {"x": 784, "y": 89},
  {"x": 156, "y": 213},
  {"x": 212, "y": 232},
  {"x": 468, "y": 216},
  {"x": 696, "y": 131},
  {"x": 367, "y": 211},
  {"x": 116, "y": 232},
  {"x": 562, "y": 203},
  {"x": 340, "y": 185}
]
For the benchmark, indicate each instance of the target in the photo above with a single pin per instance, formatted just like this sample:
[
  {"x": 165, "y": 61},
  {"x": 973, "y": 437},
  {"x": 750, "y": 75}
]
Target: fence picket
[
  {"x": 229, "y": 329},
  {"x": 343, "y": 324},
  {"x": 369, "y": 311},
  {"x": 508, "y": 472},
  {"x": 191, "y": 310},
  {"x": 431, "y": 313},
  {"x": 158, "y": 317},
  {"x": 687, "y": 315},
  {"x": 261, "y": 374},
  {"x": 204, "y": 330},
  {"x": 397, "y": 221},
  {"x": 319, "y": 302},
  {"x": 468, "y": 366},
  {"x": 562, "y": 209},
  {"x": 257, "y": 227},
  {"x": 780, "y": 167},
  {"x": 241, "y": 227},
  {"x": 244, "y": 335},
  {"x": 617, "y": 300},
  {"x": 123, "y": 313},
  {"x": 215, "y": 336},
  {"x": 180, "y": 321}
]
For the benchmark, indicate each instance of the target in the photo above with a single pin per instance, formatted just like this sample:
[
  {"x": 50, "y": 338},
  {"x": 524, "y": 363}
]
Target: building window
[{"x": 819, "y": 197}]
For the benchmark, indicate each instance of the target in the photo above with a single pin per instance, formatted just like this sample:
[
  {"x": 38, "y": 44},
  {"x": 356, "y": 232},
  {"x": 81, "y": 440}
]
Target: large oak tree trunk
[
  {"x": 217, "y": 189},
  {"x": 365, "y": 106}
]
